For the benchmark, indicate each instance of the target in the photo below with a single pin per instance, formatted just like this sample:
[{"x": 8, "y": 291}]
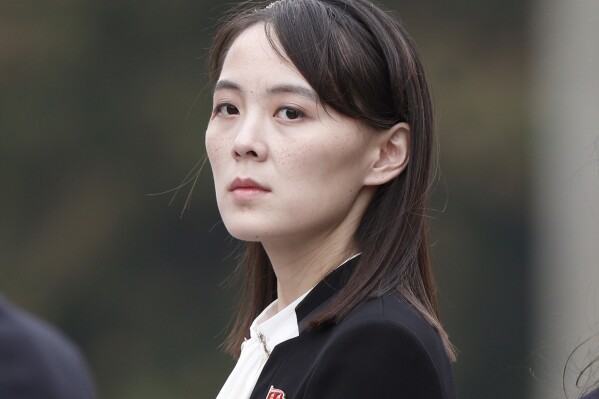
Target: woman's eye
[
  {"x": 289, "y": 114},
  {"x": 226, "y": 110}
]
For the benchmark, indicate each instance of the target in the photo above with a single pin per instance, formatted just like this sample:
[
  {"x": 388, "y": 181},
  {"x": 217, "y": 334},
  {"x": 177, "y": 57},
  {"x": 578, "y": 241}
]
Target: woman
[{"x": 320, "y": 143}]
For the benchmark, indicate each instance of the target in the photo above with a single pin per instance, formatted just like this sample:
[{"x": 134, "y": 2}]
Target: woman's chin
[
  {"x": 244, "y": 234},
  {"x": 246, "y": 237}
]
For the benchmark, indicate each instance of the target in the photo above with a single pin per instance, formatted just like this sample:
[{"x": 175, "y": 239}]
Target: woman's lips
[{"x": 244, "y": 189}]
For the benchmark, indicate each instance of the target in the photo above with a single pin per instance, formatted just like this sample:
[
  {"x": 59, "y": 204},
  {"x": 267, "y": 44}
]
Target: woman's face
[{"x": 283, "y": 166}]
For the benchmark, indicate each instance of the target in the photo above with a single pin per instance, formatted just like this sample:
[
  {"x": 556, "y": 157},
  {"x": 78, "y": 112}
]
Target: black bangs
[{"x": 336, "y": 52}]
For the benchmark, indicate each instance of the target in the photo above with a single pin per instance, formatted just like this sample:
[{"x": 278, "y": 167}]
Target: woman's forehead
[
  {"x": 251, "y": 60},
  {"x": 253, "y": 42}
]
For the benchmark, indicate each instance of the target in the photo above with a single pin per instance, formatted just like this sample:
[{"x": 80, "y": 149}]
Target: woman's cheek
[
  {"x": 305, "y": 162},
  {"x": 214, "y": 149}
]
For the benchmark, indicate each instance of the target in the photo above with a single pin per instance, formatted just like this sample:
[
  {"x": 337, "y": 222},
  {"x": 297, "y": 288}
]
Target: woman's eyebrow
[
  {"x": 226, "y": 85},
  {"x": 293, "y": 89}
]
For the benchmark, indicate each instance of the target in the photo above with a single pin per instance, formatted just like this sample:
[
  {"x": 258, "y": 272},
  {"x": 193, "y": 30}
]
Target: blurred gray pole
[{"x": 565, "y": 205}]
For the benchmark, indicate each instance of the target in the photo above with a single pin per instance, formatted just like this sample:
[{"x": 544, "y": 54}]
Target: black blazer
[
  {"x": 382, "y": 349},
  {"x": 36, "y": 361}
]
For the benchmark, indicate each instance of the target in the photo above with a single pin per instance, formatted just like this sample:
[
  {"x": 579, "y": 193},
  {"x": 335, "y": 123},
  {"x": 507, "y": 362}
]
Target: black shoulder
[
  {"x": 391, "y": 308},
  {"x": 36, "y": 358},
  {"x": 383, "y": 347}
]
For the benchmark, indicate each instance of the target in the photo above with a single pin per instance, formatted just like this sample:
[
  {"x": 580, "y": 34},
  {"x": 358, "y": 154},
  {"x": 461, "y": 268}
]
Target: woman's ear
[{"x": 391, "y": 154}]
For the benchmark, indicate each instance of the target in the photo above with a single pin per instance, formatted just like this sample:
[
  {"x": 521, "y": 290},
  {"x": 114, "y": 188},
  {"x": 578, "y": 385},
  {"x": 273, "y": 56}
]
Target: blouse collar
[{"x": 272, "y": 327}]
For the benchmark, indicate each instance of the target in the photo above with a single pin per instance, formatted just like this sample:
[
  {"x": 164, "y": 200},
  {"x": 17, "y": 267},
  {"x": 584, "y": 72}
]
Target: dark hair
[
  {"x": 587, "y": 377},
  {"x": 362, "y": 64}
]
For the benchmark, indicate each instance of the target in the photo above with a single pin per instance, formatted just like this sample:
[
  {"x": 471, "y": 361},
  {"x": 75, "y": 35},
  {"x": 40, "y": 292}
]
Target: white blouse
[{"x": 267, "y": 331}]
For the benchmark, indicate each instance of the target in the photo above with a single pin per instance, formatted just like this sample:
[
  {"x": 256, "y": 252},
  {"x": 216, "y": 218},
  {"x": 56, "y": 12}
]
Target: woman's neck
[{"x": 300, "y": 267}]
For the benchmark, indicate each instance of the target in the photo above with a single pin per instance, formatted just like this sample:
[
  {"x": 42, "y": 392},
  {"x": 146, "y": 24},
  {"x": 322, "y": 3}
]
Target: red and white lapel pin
[{"x": 274, "y": 393}]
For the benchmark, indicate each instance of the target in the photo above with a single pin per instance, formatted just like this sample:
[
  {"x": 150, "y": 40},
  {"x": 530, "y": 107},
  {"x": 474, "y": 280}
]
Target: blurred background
[{"x": 104, "y": 102}]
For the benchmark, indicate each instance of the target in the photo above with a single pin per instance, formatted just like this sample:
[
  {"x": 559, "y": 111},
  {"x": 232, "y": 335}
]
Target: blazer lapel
[{"x": 322, "y": 294}]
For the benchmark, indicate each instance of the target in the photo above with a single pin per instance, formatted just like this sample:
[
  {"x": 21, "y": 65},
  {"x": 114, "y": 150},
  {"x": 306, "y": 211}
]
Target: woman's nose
[{"x": 249, "y": 143}]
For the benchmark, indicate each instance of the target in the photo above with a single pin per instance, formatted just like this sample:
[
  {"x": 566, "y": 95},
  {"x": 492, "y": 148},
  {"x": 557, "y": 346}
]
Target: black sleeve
[{"x": 375, "y": 359}]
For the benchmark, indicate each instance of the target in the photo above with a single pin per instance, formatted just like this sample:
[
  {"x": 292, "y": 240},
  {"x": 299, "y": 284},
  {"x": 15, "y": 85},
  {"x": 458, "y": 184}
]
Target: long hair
[{"x": 362, "y": 64}]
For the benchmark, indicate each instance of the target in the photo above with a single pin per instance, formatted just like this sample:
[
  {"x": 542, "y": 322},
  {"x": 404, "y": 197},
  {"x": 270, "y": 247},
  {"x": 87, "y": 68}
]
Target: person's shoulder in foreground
[
  {"x": 36, "y": 361},
  {"x": 592, "y": 395},
  {"x": 383, "y": 347}
]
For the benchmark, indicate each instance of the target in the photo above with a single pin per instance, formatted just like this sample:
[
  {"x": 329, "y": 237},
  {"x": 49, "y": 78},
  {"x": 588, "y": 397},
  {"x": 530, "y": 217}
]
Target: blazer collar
[{"x": 323, "y": 293}]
